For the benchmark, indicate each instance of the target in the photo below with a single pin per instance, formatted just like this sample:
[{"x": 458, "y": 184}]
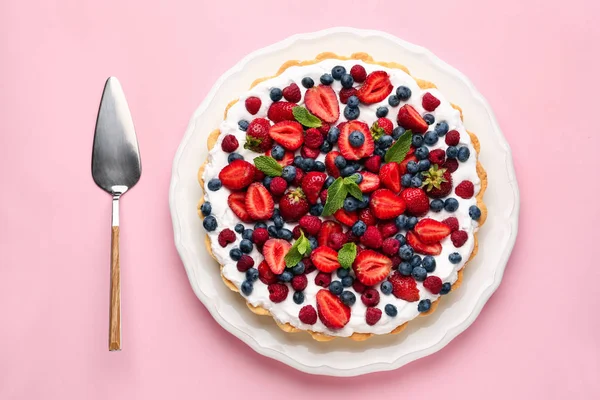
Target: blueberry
[
  {"x": 386, "y": 287},
  {"x": 451, "y": 204},
  {"x": 247, "y": 288},
  {"x": 328, "y": 182},
  {"x": 206, "y": 208},
  {"x": 416, "y": 181},
  {"x": 337, "y": 72},
  {"x": 325, "y": 147},
  {"x": 210, "y": 223},
  {"x": 272, "y": 231},
  {"x": 352, "y": 101},
  {"x": 299, "y": 162},
  {"x": 356, "y": 138},
  {"x": 299, "y": 268},
  {"x": 474, "y": 213},
  {"x": 214, "y": 184},
  {"x": 347, "y": 81},
  {"x": 243, "y": 124},
  {"x": 419, "y": 273},
  {"x": 359, "y": 178},
  {"x": 451, "y": 152},
  {"x": 286, "y": 276},
  {"x": 336, "y": 287},
  {"x": 246, "y": 245},
  {"x": 298, "y": 297},
  {"x": 412, "y": 221},
  {"x": 428, "y": 263},
  {"x": 455, "y": 258},
  {"x": 463, "y": 154},
  {"x": 364, "y": 203},
  {"x": 276, "y": 94},
  {"x": 405, "y": 180},
  {"x": 402, "y": 221},
  {"x": 333, "y": 134},
  {"x": 381, "y": 112},
  {"x": 422, "y": 153},
  {"x": 234, "y": 156},
  {"x": 397, "y": 132},
  {"x": 313, "y": 242},
  {"x": 405, "y": 252},
  {"x": 316, "y": 210},
  {"x": 429, "y": 118},
  {"x": 350, "y": 204},
  {"x": 417, "y": 140},
  {"x": 309, "y": 164},
  {"x": 342, "y": 273},
  {"x": 247, "y": 234},
  {"x": 351, "y": 113},
  {"x": 239, "y": 228},
  {"x": 235, "y": 254},
  {"x": 277, "y": 152},
  {"x": 347, "y": 281},
  {"x": 267, "y": 181},
  {"x": 391, "y": 310},
  {"x": 415, "y": 261},
  {"x": 431, "y": 138},
  {"x": 348, "y": 298},
  {"x": 308, "y": 82},
  {"x": 393, "y": 100},
  {"x": 359, "y": 228},
  {"x": 379, "y": 152},
  {"x": 326, "y": 79},
  {"x": 405, "y": 268},
  {"x": 289, "y": 173},
  {"x": 340, "y": 161},
  {"x": 424, "y": 165},
  {"x": 403, "y": 93},
  {"x": 385, "y": 141},
  {"x": 436, "y": 205},
  {"x": 424, "y": 305},
  {"x": 441, "y": 128},
  {"x": 446, "y": 288},
  {"x": 400, "y": 237},
  {"x": 284, "y": 234},
  {"x": 412, "y": 167},
  {"x": 276, "y": 213},
  {"x": 345, "y": 172},
  {"x": 278, "y": 221}
]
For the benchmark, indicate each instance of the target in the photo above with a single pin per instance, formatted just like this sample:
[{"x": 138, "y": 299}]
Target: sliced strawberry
[
  {"x": 405, "y": 162},
  {"x": 370, "y": 182},
  {"x": 288, "y": 158},
  {"x": 390, "y": 176},
  {"x": 330, "y": 164},
  {"x": 274, "y": 251},
  {"x": 259, "y": 202},
  {"x": 312, "y": 184},
  {"x": 237, "y": 203},
  {"x": 237, "y": 175},
  {"x": 281, "y": 111},
  {"x": 355, "y": 153},
  {"x": 371, "y": 267},
  {"x": 288, "y": 134},
  {"x": 332, "y": 312},
  {"x": 327, "y": 229},
  {"x": 385, "y": 204},
  {"x": 423, "y": 248},
  {"x": 376, "y": 88},
  {"x": 322, "y": 102},
  {"x": 404, "y": 287},
  {"x": 431, "y": 231},
  {"x": 409, "y": 118},
  {"x": 265, "y": 274},
  {"x": 346, "y": 217},
  {"x": 325, "y": 259}
]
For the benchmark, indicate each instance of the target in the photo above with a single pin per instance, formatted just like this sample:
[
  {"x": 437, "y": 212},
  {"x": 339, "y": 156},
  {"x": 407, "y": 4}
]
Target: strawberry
[
  {"x": 452, "y": 223},
  {"x": 332, "y": 312},
  {"x": 330, "y": 164},
  {"x": 404, "y": 163},
  {"x": 281, "y": 111},
  {"x": 388, "y": 229},
  {"x": 313, "y": 139},
  {"x": 226, "y": 236},
  {"x": 372, "y": 315},
  {"x": 337, "y": 240},
  {"x": 325, "y": 259},
  {"x": 308, "y": 315},
  {"x": 312, "y": 184},
  {"x": 292, "y": 93},
  {"x": 371, "y": 267},
  {"x": 355, "y": 153},
  {"x": 259, "y": 202},
  {"x": 376, "y": 88},
  {"x": 288, "y": 134},
  {"x": 293, "y": 205},
  {"x": 437, "y": 156},
  {"x": 237, "y": 175},
  {"x": 348, "y": 218},
  {"x": 260, "y": 236},
  {"x": 430, "y": 102},
  {"x": 366, "y": 216},
  {"x": 253, "y": 104},
  {"x": 278, "y": 292},
  {"x": 409, "y": 118},
  {"x": 370, "y": 182},
  {"x": 265, "y": 274},
  {"x": 288, "y": 158},
  {"x": 327, "y": 228},
  {"x": 278, "y": 186},
  {"x": 459, "y": 238},
  {"x": 465, "y": 189},
  {"x": 390, "y": 176},
  {"x": 433, "y": 284},
  {"x": 451, "y": 164},
  {"x": 452, "y": 138},
  {"x": 359, "y": 73},
  {"x": 405, "y": 287},
  {"x": 386, "y": 125},
  {"x": 385, "y": 204},
  {"x": 345, "y": 94},
  {"x": 423, "y": 248},
  {"x": 431, "y": 231},
  {"x": 437, "y": 182},
  {"x": 322, "y": 102},
  {"x": 299, "y": 177},
  {"x": 257, "y": 135},
  {"x": 307, "y": 152},
  {"x": 310, "y": 224},
  {"x": 259, "y": 176},
  {"x": 373, "y": 163},
  {"x": 274, "y": 250},
  {"x": 229, "y": 144},
  {"x": 417, "y": 202},
  {"x": 237, "y": 203},
  {"x": 297, "y": 231},
  {"x": 372, "y": 238}
]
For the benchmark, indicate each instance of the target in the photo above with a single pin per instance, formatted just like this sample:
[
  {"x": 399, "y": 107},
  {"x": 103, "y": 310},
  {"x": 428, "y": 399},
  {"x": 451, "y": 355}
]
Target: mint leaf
[
  {"x": 304, "y": 116},
  {"x": 347, "y": 254},
  {"x": 336, "y": 193},
  {"x": 352, "y": 187},
  {"x": 400, "y": 149},
  {"x": 299, "y": 249},
  {"x": 268, "y": 165}
]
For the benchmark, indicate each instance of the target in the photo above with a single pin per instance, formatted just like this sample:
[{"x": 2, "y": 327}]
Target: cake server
[{"x": 116, "y": 168}]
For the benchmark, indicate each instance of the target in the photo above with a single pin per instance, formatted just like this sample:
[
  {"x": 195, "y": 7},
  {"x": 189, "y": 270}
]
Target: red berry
[
  {"x": 226, "y": 236},
  {"x": 292, "y": 93},
  {"x": 237, "y": 175},
  {"x": 265, "y": 274},
  {"x": 257, "y": 135},
  {"x": 451, "y": 164},
  {"x": 431, "y": 249},
  {"x": 386, "y": 125},
  {"x": 299, "y": 282},
  {"x": 433, "y": 284},
  {"x": 259, "y": 176},
  {"x": 327, "y": 228},
  {"x": 323, "y": 279},
  {"x": 452, "y": 223},
  {"x": 390, "y": 246},
  {"x": 405, "y": 287},
  {"x": 274, "y": 251},
  {"x": 373, "y": 315},
  {"x": 345, "y": 94},
  {"x": 310, "y": 224},
  {"x": 443, "y": 180},
  {"x": 229, "y": 144},
  {"x": 337, "y": 240},
  {"x": 431, "y": 231},
  {"x": 237, "y": 203},
  {"x": 369, "y": 183},
  {"x": 330, "y": 164},
  {"x": 452, "y": 138},
  {"x": 370, "y": 297},
  {"x": 299, "y": 177},
  {"x": 288, "y": 134},
  {"x": 312, "y": 184},
  {"x": 278, "y": 186},
  {"x": 459, "y": 238},
  {"x": 307, "y": 152},
  {"x": 278, "y": 292},
  {"x": 308, "y": 315},
  {"x": 371, "y": 267},
  {"x": 430, "y": 102},
  {"x": 355, "y": 153},
  {"x": 366, "y": 216},
  {"x": 333, "y": 313},
  {"x": 350, "y": 237},
  {"x": 465, "y": 189},
  {"x": 322, "y": 102},
  {"x": 323, "y": 196},
  {"x": 325, "y": 259},
  {"x": 373, "y": 164},
  {"x": 388, "y": 229},
  {"x": 347, "y": 218},
  {"x": 437, "y": 156},
  {"x": 324, "y": 129},
  {"x": 296, "y": 231},
  {"x": 288, "y": 158},
  {"x": 376, "y": 88},
  {"x": 245, "y": 263},
  {"x": 253, "y": 104},
  {"x": 372, "y": 238},
  {"x": 293, "y": 205},
  {"x": 260, "y": 236},
  {"x": 407, "y": 159},
  {"x": 396, "y": 260},
  {"x": 417, "y": 202},
  {"x": 313, "y": 138},
  {"x": 385, "y": 204},
  {"x": 390, "y": 176},
  {"x": 281, "y": 111},
  {"x": 358, "y": 286},
  {"x": 409, "y": 118},
  {"x": 359, "y": 73},
  {"x": 308, "y": 265},
  {"x": 259, "y": 202}
]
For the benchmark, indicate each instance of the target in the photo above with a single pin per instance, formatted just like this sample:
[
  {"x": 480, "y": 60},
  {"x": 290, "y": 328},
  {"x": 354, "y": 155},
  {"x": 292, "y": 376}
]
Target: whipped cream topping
[{"x": 287, "y": 311}]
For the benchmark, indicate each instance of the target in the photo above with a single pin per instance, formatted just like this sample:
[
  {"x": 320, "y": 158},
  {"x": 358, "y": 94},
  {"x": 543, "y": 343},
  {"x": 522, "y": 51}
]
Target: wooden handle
[{"x": 114, "y": 334}]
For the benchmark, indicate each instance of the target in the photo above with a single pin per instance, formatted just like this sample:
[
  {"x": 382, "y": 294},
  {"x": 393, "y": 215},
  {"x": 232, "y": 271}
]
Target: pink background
[{"x": 537, "y": 63}]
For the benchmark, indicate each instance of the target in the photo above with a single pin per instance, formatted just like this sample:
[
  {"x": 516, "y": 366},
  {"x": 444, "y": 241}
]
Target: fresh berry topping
[
  {"x": 323, "y": 279},
  {"x": 366, "y": 216},
  {"x": 237, "y": 175},
  {"x": 265, "y": 274},
  {"x": 245, "y": 263},
  {"x": 226, "y": 236},
  {"x": 349, "y": 151},
  {"x": 390, "y": 176},
  {"x": 409, "y": 118},
  {"x": 373, "y": 315},
  {"x": 299, "y": 177},
  {"x": 253, "y": 104},
  {"x": 292, "y": 93},
  {"x": 465, "y": 189},
  {"x": 416, "y": 200},
  {"x": 346, "y": 93},
  {"x": 259, "y": 202},
  {"x": 385, "y": 204},
  {"x": 405, "y": 287},
  {"x": 358, "y": 286},
  {"x": 333, "y": 313},
  {"x": 237, "y": 203},
  {"x": 281, "y": 111},
  {"x": 437, "y": 182},
  {"x": 278, "y": 292},
  {"x": 323, "y": 196},
  {"x": 452, "y": 223},
  {"x": 337, "y": 240},
  {"x": 324, "y": 129},
  {"x": 293, "y": 205},
  {"x": 390, "y": 246},
  {"x": 257, "y": 136},
  {"x": 404, "y": 163},
  {"x": 388, "y": 229},
  {"x": 359, "y": 73},
  {"x": 322, "y": 102},
  {"x": 274, "y": 250},
  {"x": 437, "y": 156},
  {"x": 312, "y": 184},
  {"x": 430, "y": 102},
  {"x": 376, "y": 88},
  {"x": 308, "y": 315},
  {"x": 370, "y": 297},
  {"x": 229, "y": 144},
  {"x": 299, "y": 282},
  {"x": 313, "y": 139},
  {"x": 372, "y": 238},
  {"x": 287, "y": 159},
  {"x": 369, "y": 183},
  {"x": 310, "y": 224},
  {"x": 451, "y": 164},
  {"x": 348, "y": 218},
  {"x": 259, "y": 176},
  {"x": 433, "y": 284},
  {"x": 327, "y": 228},
  {"x": 373, "y": 163},
  {"x": 288, "y": 134},
  {"x": 458, "y": 238},
  {"x": 386, "y": 125},
  {"x": 278, "y": 186},
  {"x": 307, "y": 152},
  {"x": 452, "y": 138},
  {"x": 325, "y": 259},
  {"x": 260, "y": 236},
  {"x": 431, "y": 231},
  {"x": 371, "y": 267},
  {"x": 423, "y": 248},
  {"x": 330, "y": 166}
]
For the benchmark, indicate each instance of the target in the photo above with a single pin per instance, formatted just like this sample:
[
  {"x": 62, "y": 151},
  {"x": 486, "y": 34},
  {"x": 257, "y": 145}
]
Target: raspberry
[
  {"x": 390, "y": 246},
  {"x": 358, "y": 73},
  {"x": 433, "y": 284},
  {"x": 253, "y": 104},
  {"x": 259, "y": 176},
  {"x": 292, "y": 93},
  {"x": 372, "y": 238},
  {"x": 337, "y": 240},
  {"x": 451, "y": 164},
  {"x": 245, "y": 263},
  {"x": 388, "y": 229},
  {"x": 308, "y": 265},
  {"x": 350, "y": 237},
  {"x": 345, "y": 93},
  {"x": 430, "y": 102},
  {"x": 323, "y": 279},
  {"x": 308, "y": 315},
  {"x": 310, "y": 224},
  {"x": 437, "y": 156},
  {"x": 358, "y": 286},
  {"x": 373, "y": 315},
  {"x": 452, "y": 223},
  {"x": 370, "y": 297},
  {"x": 459, "y": 238},
  {"x": 396, "y": 260},
  {"x": 299, "y": 175},
  {"x": 278, "y": 292},
  {"x": 373, "y": 164},
  {"x": 323, "y": 196},
  {"x": 465, "y": 189},
  {"x": 324, "y": 128},
  {"x": 260, "y": 236},
  {"x": 226, "y": 236},
  {"x": 386, "y": 125},
  {"x": 307, "y": 152},
  {"x": 366, "y": 216},
  {"x": 229, "y": 144},
  {"x": 299, "y": 282},
  {"x": 313, "y": 138},
  {"x": 296, "y": 232},
  {"x": 452, "y": 138},
  {"x": 278, "y": 186}
]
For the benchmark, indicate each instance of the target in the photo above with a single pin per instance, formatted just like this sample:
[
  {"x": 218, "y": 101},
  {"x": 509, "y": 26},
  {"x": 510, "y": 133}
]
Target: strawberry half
[
  {"x": 348, "y": 218},
  {"x": 377, "y": 87},
  {"x": 322, "y": 102},
  {"x": 281, "y": 111},
  {"x": 237, "y": 175},
  {"x": 409, "y": 118},
  {"x": 431, "y": 231},
  {"x": 288, "y": 134},
  {"x": 423, "y": 248},
  {"x": 385, "y": 204},
  {"x": 259, "y": 202},
  {"x": 327, "y": 229},
  {"x": 325, "y": 259},
  {"x": 237, "y": 203},
  {"x": 330, "y": 164},
  {"x": 404, "y": 287},
  {"x": 390, "y": 176},
  {"x": 371, "y": 267},
  {"x": 288, "y": 158},
  {"x": 355, "y": 153},
  {"x": 312, "y": 184},
  {"x": 332, "y": 312},
  {"x": 265, "y": 274},
  {"x": 370, "y": 182},
  {"x": 274, "y": 251}
]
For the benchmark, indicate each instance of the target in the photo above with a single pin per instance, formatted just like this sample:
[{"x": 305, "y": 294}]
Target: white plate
[{"x": 423, "y": 336}]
